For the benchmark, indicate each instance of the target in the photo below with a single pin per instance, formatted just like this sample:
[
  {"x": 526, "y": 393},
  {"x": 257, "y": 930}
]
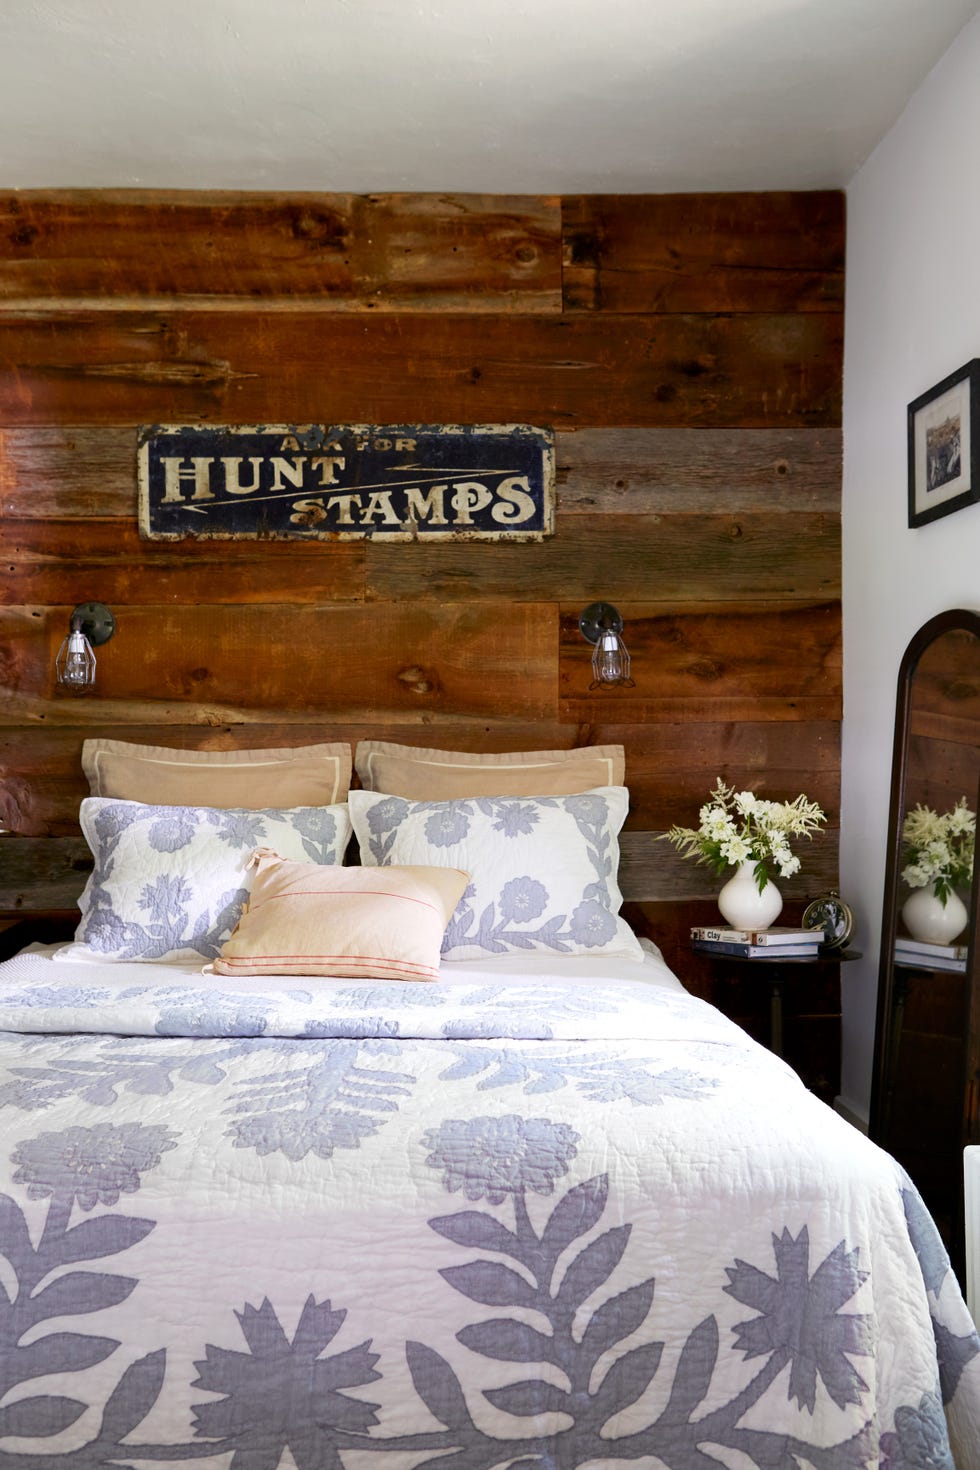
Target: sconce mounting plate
[
  {"x": 94, "y": 620},
  {"x": 599, "y": 618}
]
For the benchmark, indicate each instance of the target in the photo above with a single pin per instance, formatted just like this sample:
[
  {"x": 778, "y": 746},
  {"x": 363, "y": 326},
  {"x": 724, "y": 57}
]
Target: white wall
[{"x": 912, "y": 317}]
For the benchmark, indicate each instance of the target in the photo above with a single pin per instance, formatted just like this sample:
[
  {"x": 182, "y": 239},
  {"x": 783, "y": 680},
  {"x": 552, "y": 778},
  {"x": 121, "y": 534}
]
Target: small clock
[{"x": 830, "y": 913}]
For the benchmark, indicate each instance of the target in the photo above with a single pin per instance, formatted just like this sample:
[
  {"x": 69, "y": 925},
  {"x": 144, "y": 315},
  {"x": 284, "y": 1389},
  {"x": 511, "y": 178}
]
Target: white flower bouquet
[
  {"x": 938, "y": 849},
  {"x": 739, "y": 827}
]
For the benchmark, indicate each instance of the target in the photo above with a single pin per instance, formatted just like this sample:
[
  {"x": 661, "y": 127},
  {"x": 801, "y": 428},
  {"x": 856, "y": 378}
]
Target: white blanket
[{"x": 535, "y": 1215}]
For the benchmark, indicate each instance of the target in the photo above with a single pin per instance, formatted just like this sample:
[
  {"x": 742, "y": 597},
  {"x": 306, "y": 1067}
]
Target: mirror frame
[{"x": 956, "y": 619}]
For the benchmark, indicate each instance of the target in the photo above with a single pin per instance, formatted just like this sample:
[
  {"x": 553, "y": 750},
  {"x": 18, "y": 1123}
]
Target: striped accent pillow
[{"x": 355, "y": 923}]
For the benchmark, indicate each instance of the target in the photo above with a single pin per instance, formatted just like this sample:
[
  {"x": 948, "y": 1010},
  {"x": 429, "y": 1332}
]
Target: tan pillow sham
[
  {"x": 357, "y": 923},
  {"x": 449, "y": 775},
  {"x": 289, "y": 776}
]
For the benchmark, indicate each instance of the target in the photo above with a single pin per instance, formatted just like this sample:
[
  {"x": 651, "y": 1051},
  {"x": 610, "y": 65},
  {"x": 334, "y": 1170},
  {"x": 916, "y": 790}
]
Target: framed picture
[{"x": 944, "y": 446}]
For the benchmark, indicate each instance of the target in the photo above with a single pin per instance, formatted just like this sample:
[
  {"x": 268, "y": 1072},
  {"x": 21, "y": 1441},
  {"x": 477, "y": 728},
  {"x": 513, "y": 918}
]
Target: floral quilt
[{"x": 265, "y": 1224}]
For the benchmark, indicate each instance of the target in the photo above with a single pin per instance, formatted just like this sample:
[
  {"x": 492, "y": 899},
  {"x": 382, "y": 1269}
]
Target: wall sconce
[
  {"x": 91, "y": 623},
  {"x": 602, "y": 624}
]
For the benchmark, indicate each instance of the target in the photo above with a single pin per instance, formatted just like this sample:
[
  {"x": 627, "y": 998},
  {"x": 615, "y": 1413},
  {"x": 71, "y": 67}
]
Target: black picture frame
[{"x": 944, "y": 446}]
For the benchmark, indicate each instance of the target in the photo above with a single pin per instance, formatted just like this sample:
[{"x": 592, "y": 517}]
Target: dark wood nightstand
[{"x": 810, "y": 979}]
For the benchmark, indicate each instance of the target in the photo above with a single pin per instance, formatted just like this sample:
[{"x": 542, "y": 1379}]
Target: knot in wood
[
  {"x": 319, "y": 228},
  {"x": 417, "y": 680},
  {"x": 706, "y": 669}
]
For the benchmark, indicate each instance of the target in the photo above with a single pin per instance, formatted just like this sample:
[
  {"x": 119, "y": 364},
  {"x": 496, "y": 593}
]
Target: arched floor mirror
[{"x": 925, "y": 1099}]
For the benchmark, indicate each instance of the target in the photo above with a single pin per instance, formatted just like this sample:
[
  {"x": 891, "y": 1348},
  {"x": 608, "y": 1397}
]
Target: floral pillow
[
  {"x": 543, "y": 869},
  {"x": 170, "y": 881}
]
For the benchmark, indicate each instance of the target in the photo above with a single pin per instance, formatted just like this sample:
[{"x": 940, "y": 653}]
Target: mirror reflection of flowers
[
  {"x": 739, "y": 827},
  {"x": 938, "y": 849}
]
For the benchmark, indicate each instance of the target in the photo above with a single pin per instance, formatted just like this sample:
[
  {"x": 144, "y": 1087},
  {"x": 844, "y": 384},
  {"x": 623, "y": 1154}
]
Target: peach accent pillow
[
  {"x": 450, "y": 775},
  {"x": 288, "y": 776},
  {"x": 358, "y": 923}
]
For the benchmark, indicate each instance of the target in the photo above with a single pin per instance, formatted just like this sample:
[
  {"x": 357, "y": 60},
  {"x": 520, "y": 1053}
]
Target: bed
[{"x": 543, "y": 1209}]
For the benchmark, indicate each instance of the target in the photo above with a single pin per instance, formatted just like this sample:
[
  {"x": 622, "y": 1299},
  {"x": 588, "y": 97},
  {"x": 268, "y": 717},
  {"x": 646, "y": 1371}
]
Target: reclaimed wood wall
[{"x": 687, "y": 351}]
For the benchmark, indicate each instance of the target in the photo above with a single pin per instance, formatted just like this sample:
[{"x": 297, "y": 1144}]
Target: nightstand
[{"x": 806, "y": 981}]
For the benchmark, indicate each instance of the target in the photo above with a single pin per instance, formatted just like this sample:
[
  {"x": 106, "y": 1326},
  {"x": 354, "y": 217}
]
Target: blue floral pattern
[
  {"x": 169, "y": 882},
  {"x": 618, "y": 1397},
  {"x": 333, "y": 1250},
  {"x": 490, "y": 1158},
  {"x": 90, "y": 1166},
  {"x": 543, "y": 870},
  {"x": 284, "y": 1394}
]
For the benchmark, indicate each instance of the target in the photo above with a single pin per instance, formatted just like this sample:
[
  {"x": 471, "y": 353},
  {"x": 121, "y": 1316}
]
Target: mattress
[{"x": 544, "y": 1212}]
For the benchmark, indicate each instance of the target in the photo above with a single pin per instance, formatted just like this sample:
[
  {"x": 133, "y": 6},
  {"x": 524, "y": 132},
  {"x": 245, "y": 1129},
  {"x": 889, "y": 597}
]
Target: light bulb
[
  {"x": 75, "y": 663},
  {"x": 609, "y": 663},
  {"x": 601, "y": 624},
  {"x": 610, "y": 660}
]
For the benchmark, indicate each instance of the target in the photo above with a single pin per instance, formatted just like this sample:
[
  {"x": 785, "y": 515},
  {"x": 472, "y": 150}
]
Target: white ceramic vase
[
  {"x": 743, "y": 906},
  {"x": 928, "y": 919}
]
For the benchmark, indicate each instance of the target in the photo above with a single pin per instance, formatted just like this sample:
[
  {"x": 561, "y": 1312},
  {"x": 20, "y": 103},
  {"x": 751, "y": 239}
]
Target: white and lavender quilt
[{"x": 566, "y": 1218}]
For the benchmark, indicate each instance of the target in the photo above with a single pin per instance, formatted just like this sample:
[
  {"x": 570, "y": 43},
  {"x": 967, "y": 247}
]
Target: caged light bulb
[
  {"x": 75, "y": 664},
  {"x": 610, "y": 660},
  {"x": 602, "y": 624},
  {"x": 91, "y": 623}
]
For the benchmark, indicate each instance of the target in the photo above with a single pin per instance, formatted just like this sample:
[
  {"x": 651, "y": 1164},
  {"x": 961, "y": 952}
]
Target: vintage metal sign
[{"x": 414, "y": 482}]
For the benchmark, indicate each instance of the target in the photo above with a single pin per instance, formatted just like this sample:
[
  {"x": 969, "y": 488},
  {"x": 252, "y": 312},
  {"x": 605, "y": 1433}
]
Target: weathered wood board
[
  {"x": 324, "y": 252},
  {"x": 758, "y": 370},
  {"x": 708, "y": 252}
]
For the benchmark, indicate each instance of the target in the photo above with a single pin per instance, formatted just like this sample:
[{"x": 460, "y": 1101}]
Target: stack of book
[
  {"x": 920, "y": 955},
  {"x": 769, "y": 944}
]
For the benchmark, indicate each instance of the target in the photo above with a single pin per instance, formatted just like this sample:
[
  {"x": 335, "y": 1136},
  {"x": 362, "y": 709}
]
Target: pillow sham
[
  {"x": 359, "y": 923},
  {"x": 543, "y": 870},
  {"x": 169, "y": 881},
  {"x": 286, "y": 776},
  {"x": 447, "y": 775}
]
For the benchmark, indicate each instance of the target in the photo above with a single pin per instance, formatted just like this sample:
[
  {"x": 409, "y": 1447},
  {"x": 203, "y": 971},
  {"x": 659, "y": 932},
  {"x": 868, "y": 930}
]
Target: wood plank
[
  {"x": 670, "y": 768},
  {"x": 64, "y": 471},
  {"x": 74, "y": 561},
  {"x": 39, "y": 874},
  {"x": 704, "y": 252},
  {"x": 652, "y": 871},
  {"x": 102, "y": 250},
  {"x": 945, "y": 726},
  {"x": 364, "y": 662},
  {"x": 80, "y": 472},
  {"x": 716, "y": 664},
  {"x": 946, "y": 682},
  {"x": 940, "y": 772},
  {"x": 641, "y": 471},
  {"x": 616, "y": 558},
  {"x": 42, "y": 874},
  {"x": 683, "y": 557},
  {"x": 247, "y": 366}
]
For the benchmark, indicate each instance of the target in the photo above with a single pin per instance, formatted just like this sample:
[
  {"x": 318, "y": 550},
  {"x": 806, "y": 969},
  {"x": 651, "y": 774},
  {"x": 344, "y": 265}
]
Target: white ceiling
[{"x": 499, "y": 96}]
